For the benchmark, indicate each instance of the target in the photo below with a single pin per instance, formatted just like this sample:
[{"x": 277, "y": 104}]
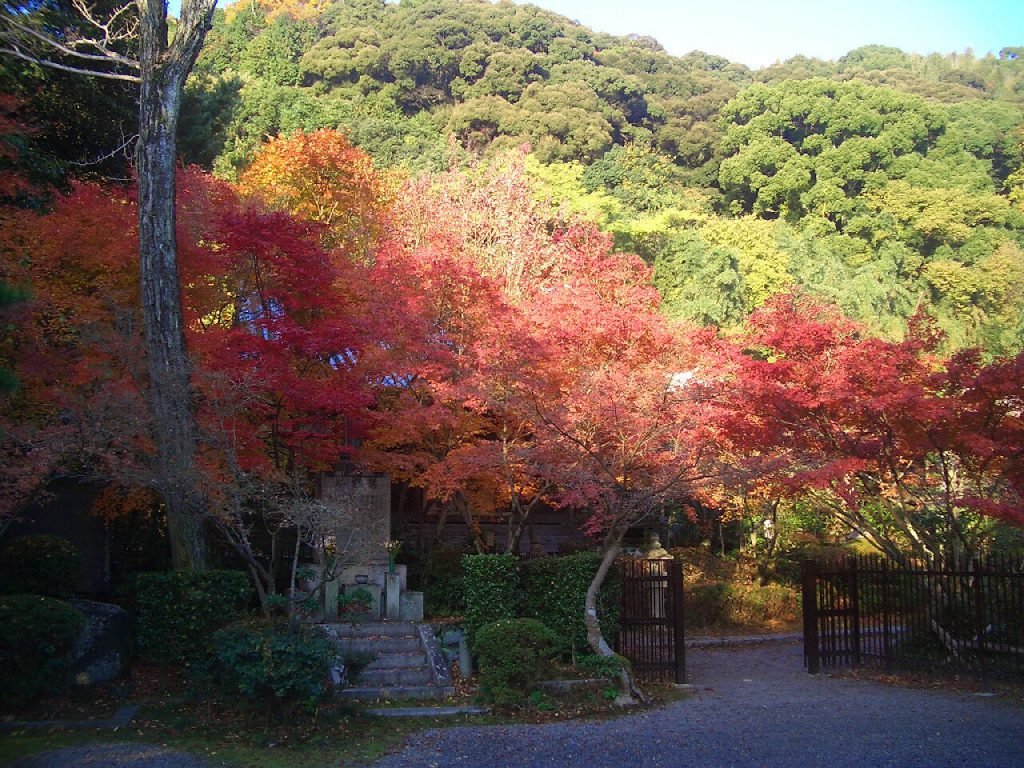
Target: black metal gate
[
  {"x": 953, "y": 614},
  {"x": 651, "y": 624},
  {"x": 831, "y": 615}
]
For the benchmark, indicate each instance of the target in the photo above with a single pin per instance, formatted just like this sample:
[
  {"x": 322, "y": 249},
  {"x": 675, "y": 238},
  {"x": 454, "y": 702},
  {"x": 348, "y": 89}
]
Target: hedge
[
  {"x": 273, "y": 665},
  {"x": 492, "y": 590},
  {"x": 555, "y": 591},
  {"x": 550, "y": 589},
  {"x": 514, "y": 655}
]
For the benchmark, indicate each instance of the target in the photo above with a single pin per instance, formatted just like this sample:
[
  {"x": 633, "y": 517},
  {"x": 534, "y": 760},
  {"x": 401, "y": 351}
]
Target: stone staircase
[{"x": 409, "y": 663}]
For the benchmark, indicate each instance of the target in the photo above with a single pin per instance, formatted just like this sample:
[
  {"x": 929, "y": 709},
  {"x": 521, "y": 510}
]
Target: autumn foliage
[
  {"x": 494, "y": 355},
  {"x": 321, "y": 177},
  {"x": 912, "y": 450}
]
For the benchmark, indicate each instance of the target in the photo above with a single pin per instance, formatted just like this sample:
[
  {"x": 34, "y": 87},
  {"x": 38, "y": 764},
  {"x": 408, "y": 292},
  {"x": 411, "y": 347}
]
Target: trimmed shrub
[
  {"x": 492, "y": 590},
  {"x": 514, "y": 655},
  {"x": 177, "y": 613},
  {"x": 37, "y": 636},
  {"x": 40, "y": 565},
  {"x": 609, "y": 667},
  {"x": 274, "y": 665},
  {"x": 555, "y": 591}
]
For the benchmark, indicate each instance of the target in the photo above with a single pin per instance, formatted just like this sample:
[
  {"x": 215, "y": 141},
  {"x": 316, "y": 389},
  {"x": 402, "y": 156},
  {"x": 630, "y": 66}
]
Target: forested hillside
[{"x": 880, "y": 182}]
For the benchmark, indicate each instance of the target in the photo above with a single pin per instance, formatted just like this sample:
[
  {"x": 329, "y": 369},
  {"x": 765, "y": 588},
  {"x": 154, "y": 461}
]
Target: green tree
[{"x": 812, "y": 146}]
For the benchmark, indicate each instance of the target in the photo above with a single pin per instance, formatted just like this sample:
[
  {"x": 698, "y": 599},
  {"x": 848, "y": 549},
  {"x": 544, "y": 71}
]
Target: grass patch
[{"x": 237, "y": 738}]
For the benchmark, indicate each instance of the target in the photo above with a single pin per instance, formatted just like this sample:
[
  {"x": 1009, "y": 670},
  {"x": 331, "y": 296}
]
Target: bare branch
[
  {"x": 105, "y": 55},
  {"x": 109, "y": 28},
  {"x": 102, "y": 158},
  {"x": 65, "y": 68}
]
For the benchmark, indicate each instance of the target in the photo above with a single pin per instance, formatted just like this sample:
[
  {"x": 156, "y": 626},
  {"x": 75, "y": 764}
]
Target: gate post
[
  {"x": 809, "y": 582},
  {"x": 855, "y": 607},
  {"x": 887, "y": 628},
  {"x": 979, "y": 610},
  {"x": 675, "y": 580}
]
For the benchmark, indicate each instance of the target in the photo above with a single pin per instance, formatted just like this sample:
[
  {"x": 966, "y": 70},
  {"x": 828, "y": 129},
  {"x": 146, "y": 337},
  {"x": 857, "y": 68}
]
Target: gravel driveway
[{"x": 751, "y": 706}]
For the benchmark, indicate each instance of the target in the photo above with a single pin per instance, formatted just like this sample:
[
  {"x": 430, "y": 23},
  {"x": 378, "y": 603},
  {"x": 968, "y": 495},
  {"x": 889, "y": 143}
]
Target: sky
[{"x": 760, "y": 32}]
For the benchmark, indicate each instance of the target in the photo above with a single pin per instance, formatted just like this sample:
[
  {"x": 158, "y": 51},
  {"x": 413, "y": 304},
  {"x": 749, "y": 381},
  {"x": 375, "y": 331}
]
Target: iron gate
[
  {"x": 955, "y": 614},
  {"x": 831, "y": 615},
  {"x": 651, "y": 632}
]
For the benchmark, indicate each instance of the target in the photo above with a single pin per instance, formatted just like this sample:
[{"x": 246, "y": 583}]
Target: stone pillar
[
  {"x": 331, "y": 600},
  {"x": 392, "y": 597}
]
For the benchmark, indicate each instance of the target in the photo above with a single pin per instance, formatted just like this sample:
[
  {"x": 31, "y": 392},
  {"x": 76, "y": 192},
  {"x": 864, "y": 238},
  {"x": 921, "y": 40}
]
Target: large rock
[{"x": 102, "y": 651}]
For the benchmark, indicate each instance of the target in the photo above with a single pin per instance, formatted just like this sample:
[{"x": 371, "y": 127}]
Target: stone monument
[{"x": 363, "y": 530}]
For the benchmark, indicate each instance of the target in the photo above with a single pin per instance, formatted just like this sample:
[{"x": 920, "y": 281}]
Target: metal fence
[
  {"x": 651, "y": 624},
  {"x": 955, "y": 614}
]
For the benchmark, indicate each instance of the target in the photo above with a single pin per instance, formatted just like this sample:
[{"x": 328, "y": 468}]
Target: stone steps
[
  {"x": 371, "y": 678},
  {"x": 376, "y": 629},
  {"x": 380, "y": 645},
  {"x": 399, "y": 659},
  {"x": 387, "y": 693},
  {"x": 408, "y": 662}
]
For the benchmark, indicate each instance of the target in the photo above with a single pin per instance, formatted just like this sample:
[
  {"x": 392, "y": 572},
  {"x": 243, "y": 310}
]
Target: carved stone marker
[{"x": 363, "y": 503}]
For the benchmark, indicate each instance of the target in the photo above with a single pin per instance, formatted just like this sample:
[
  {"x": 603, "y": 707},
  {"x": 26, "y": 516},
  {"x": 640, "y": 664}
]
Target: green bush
[
  {"x": 609, "y": 667},
  {"x": 555, "y": 591},
  {"x": 37, "y": 635},
  {"x": 177, "y": 613},
  {"x": 514, "y": 655},
  {"x": 40, "y": 565},
  {"x": 706, "y": 605},
  {"x": 492, "y": 590},
  {"x": 273, "y": 665}
]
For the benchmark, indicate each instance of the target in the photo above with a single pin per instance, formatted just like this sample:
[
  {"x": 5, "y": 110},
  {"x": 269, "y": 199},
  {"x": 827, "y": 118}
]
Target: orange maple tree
[{"x": 320, "y": 176}]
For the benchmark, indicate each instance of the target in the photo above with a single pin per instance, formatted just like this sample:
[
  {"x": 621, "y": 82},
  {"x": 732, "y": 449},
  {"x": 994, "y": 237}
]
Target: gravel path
[{"x": 753, "y": 707}]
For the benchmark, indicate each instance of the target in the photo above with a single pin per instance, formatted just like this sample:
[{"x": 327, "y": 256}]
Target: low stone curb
[
  {"x": 741, "y": 640},
  {"x": 427, "y": 711},
  {"x": 564, "y": 686},
  {"x": 120, "y": 719}
]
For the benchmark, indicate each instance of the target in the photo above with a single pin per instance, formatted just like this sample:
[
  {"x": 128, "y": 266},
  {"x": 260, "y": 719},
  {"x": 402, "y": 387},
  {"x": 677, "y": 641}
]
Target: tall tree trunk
[
  {"x": 595, "y": 638},
  {"x": 163, "y": 71}
]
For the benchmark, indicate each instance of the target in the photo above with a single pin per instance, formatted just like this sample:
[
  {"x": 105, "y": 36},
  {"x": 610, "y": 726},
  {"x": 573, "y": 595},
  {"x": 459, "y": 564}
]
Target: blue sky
[{"x": 760, "y": 32}]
